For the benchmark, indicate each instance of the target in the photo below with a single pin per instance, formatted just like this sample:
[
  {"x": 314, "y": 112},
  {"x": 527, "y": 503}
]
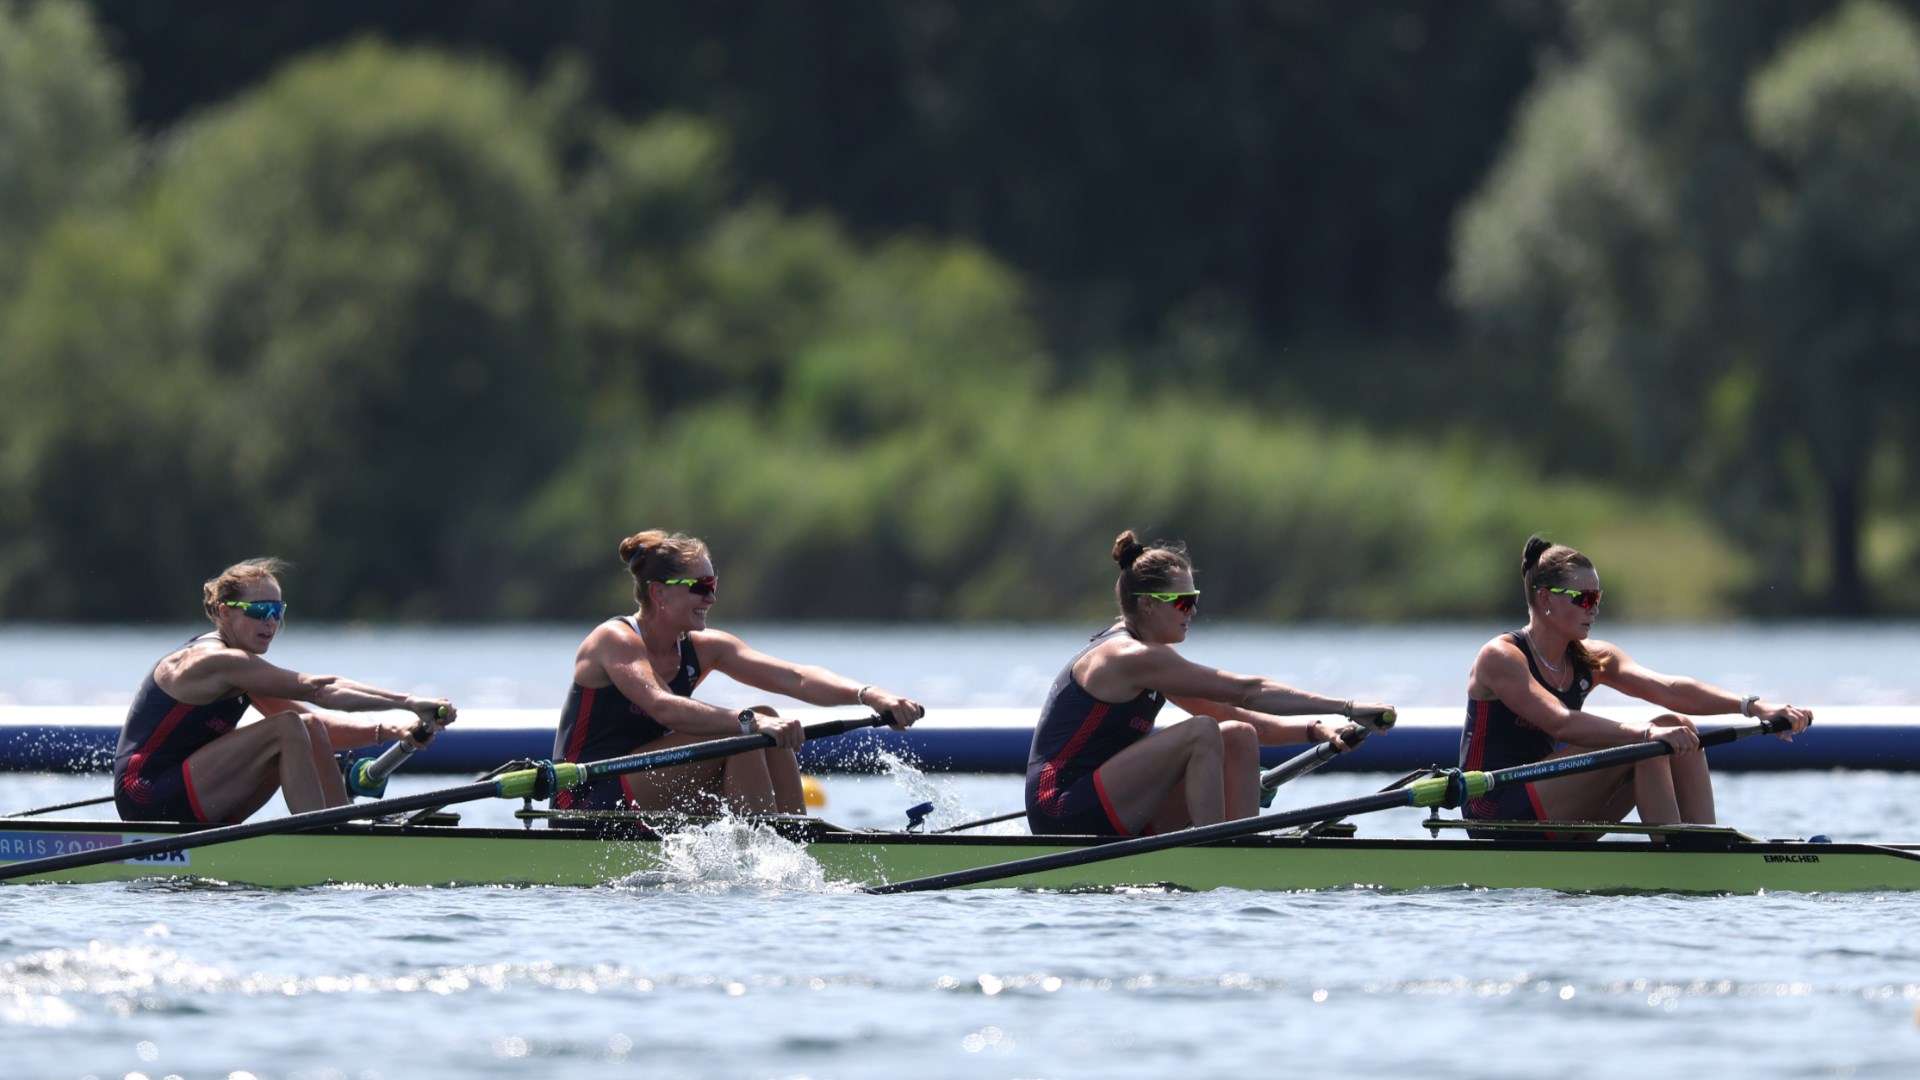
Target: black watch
[{"x": 749, "y": 722}]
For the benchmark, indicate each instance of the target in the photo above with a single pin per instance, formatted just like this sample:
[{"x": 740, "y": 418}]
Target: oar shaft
[
  {"x": 1141, "y": 845},
  {"x": 518, "y": 784}
]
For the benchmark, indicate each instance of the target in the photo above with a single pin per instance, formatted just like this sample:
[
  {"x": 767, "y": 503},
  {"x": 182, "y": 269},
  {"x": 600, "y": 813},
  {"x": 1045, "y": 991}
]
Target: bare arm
[
  {"x": 277, "y": 686},
  {"x": 1684, "y": 694},
  {"x": 1273, "y": 730},
  {"x": 810, "y": 683},
  {"x": 1128, "y": 667},
  {"x": 1501, "y": 672}
]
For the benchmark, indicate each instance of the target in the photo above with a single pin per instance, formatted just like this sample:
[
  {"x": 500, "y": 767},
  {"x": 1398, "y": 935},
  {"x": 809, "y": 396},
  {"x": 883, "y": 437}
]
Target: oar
[
  {"x": 60, "y": 806},
  {"x": 1301, "y": 764},
  {"x": 538, "y": 782},
  {"x": 367, "y": 777},
  {"x": 1450, "y": 789}
]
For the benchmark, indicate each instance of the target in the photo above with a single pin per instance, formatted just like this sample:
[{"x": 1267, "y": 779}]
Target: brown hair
[
  {"x": 1545, "y": 564},
  {"x": 231, "y": 582},
  {"x": 1145, "y": 568},
  {"x": 656, "y": 555}
]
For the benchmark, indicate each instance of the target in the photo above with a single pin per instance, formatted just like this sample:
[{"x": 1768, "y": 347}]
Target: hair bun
[
  {"x": 635, "y": 547},
  {"x": 1126, "y": 548},
  {"x": 1530, "y": 555}
]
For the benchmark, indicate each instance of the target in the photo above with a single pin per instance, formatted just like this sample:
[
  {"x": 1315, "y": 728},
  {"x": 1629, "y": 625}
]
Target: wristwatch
[{"x": 749, "y": 721}]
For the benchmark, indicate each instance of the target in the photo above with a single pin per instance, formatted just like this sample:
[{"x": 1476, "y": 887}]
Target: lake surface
[{"x": 754, "y": 967}]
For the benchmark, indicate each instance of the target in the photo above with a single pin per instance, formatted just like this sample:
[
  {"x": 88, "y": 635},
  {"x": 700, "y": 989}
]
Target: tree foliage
[{"x": 1700, "y": 221}]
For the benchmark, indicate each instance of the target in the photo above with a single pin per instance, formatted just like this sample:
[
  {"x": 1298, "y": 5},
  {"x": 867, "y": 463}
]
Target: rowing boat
[{"x": 598, "y": 849}]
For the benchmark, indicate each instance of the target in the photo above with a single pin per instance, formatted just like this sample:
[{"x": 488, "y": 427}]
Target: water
[{"x": 756, "y": 967}]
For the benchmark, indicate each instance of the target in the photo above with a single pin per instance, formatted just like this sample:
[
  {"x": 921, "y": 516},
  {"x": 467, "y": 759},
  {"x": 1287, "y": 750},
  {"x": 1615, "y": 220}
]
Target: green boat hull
[{"x": 437, "y": 856}]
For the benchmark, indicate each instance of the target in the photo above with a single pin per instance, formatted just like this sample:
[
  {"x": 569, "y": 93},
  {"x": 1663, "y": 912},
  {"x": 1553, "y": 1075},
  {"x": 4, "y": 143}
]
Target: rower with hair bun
[
  {"x": 1097, "y": 765},
  {"x": 1526, "y": 698},
  {"x": 633, "y": 683},
  {"x": 181, "y": 756}
]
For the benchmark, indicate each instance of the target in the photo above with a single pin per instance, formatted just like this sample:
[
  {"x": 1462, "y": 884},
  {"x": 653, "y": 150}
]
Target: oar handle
[
  {"x": 368, "y": 779},
  {"x": 1303, "y": 763}
]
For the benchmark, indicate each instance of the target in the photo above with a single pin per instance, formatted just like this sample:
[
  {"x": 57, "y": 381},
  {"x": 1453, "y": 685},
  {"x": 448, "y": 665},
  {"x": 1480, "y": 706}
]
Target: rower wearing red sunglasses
[
  {"x": 181, "y": 756},
  {"x": 633, "y": 681},
  {"x": 1525, "y": 702},
  {"x": 1098, "y": 767}
]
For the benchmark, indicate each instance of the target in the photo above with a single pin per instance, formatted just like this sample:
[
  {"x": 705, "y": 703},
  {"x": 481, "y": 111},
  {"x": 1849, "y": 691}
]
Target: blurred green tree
[
  {"x": 1663, "y": 234},
  {"x": 63, "y": 127}
]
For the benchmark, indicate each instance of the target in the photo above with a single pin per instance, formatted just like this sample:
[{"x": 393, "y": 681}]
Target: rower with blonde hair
[{"x": 183, "y": 753}]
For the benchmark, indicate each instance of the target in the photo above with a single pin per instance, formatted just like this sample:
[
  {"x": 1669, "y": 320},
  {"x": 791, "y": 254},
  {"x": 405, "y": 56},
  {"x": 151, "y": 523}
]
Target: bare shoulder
[
  {"x": 1607, "y": 657},
  {"x": 1498, "y": 653}
]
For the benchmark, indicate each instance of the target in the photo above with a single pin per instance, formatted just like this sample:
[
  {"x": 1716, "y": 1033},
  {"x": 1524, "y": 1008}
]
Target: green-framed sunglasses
[{"x": 1181, "y": 601}]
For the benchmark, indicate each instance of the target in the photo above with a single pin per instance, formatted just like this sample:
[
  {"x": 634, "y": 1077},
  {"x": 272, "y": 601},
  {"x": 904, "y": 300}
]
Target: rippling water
[
  {"x": 744, "y": 962},
  {"x": 748, "y": 964}
]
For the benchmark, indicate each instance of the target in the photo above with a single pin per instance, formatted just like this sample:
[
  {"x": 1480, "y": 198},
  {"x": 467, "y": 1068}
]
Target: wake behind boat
[{"x": 596, "y": 849}]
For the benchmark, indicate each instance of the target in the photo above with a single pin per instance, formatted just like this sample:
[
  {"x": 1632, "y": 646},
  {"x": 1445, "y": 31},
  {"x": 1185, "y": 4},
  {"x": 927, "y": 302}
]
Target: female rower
[
  {"x": 1526, "y": 693},
  {"x": 181, "y": 756},
  {"x": 633, "y": 681},
  {"x": 1097, "y": 766}
]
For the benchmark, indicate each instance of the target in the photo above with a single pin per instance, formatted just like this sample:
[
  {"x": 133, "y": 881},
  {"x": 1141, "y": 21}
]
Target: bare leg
[
  {"x": 789, "y": 794},
  {"x": 749, "y": 787},
  {"x": 1240, "y": 769},
  {"x": 1653, "y": 792},
  {"x": 326, "y": 768},
  {"x": 228, "y": 772},
  {"x": 783, "y": 773},
  {"x": 1139, "y": 778},
  {"x": 690, "y": 788},
  {"x": 740, "y": 782}
]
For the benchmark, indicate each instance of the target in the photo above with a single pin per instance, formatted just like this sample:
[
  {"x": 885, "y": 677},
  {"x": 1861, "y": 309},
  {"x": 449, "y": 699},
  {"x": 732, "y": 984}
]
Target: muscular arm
[
  {"x": 803, "y": 682},
  {"x": 1273, "y": 730},
  {"x": 1676, "y": 692},
  {"x": 263, "y": 681},
  {"x": 1131, "y": 666},
  {"x": 1500, "y": 671}
]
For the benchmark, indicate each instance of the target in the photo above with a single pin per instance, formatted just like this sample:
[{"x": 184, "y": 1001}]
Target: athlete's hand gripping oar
[
  {"x": 1449, "y": 789},
  {"x": 1301, "y": 764},
  {"x": 367, "y": 777},
  {"x": 539, "y": 782}
]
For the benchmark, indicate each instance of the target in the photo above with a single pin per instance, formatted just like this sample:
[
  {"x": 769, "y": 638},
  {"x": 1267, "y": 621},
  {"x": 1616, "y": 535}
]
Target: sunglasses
[
  {"x": 1181, "y": 601},
  {"x": 259, "y": 609},
  {"x": 1585, "y": 599},
  {"x": 698, "y": 586}
]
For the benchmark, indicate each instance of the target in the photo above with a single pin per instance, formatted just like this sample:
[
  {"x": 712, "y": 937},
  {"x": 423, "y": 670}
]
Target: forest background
[{"x": 909, "y": 307}]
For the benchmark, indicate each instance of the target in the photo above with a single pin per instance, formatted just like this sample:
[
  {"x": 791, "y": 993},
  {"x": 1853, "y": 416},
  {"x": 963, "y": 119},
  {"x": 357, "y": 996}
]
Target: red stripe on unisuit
[
  {"x": 193, "y": 797},
  {"x": 1049, "y": 795},
  {"x": 1113, "y": 816},
  {"x": 580, "y": 721},
  {"x": 161, "y": 731}
]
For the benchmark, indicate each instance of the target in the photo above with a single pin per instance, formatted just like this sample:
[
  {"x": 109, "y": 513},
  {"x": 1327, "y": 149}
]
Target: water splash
[
  {"x": 949, "y": 806},
  {"x": 729, "y": 855}
]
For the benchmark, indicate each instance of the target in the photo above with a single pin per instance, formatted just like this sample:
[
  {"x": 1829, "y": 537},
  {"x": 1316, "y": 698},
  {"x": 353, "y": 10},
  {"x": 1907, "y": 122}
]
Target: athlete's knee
[
  {"x": 316, "y": 731},
  {"x": 1203, "y": 734},
  {"x": 287, "y": 726},
  {"x": 1239, "y": 737}
]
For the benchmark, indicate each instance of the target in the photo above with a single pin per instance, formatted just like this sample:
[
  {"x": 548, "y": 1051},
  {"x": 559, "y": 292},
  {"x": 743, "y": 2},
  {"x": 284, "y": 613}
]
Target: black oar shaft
[
  {"x": 75, "y": 805},
  {"x": 1433, "y": 791},
  {"x": 512, "y": 786}
]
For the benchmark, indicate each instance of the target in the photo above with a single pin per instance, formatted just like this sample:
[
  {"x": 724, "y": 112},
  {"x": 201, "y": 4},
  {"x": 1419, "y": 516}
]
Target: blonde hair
[{"x": 231, "y": 582}]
